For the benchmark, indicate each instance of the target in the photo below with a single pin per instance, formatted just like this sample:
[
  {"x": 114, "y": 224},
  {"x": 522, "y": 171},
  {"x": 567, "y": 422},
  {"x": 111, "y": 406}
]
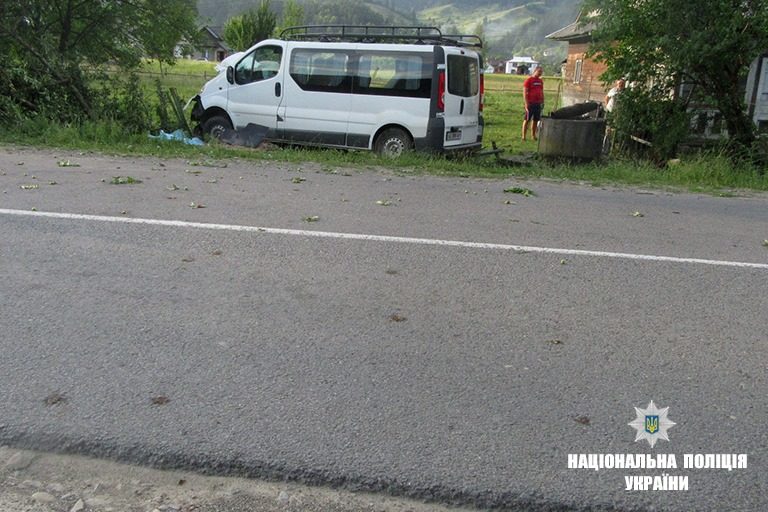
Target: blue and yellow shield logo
[{"x": 651, "y": 424}]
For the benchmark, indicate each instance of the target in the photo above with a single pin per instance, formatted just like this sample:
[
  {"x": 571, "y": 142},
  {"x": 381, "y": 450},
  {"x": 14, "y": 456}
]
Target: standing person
[
  {"x": 533, "y": 96},
  {"x": 612, "y": 97}
]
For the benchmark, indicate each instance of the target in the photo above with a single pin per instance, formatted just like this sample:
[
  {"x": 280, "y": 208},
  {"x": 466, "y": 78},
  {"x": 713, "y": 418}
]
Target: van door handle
[
  {"x": 461, "y": 108},
  {"x": 277, "y": 89}
]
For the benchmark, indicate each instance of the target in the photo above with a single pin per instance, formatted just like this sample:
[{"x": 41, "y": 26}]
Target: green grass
[
  {"x": 711, "y": 174},
  {"x": 504, "y": 110},
  {"x": 186, "y": 76},
  {"x": 503, "y": 115}
]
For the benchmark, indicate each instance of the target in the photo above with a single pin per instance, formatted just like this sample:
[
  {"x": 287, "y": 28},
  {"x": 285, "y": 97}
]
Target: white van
[{"x": 386, "y": 89}]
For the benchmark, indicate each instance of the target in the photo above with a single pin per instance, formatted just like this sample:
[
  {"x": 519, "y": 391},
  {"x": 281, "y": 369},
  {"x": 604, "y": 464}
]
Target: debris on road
[
  {"x": 526, "y": 192},
  {"x": 124, "y": 180}
]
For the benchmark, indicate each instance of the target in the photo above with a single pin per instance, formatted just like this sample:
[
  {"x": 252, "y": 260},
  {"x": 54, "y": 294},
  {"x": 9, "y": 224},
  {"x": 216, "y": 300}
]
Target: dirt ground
[{"x": 43, "y": 482}]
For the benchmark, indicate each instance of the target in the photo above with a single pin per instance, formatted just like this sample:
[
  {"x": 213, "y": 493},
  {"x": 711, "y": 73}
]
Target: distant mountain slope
[{"x": 509, "y": 26}]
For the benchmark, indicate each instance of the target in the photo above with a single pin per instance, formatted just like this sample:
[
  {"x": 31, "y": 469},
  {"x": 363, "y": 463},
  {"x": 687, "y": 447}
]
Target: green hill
[{"x": 508, "y": 26}]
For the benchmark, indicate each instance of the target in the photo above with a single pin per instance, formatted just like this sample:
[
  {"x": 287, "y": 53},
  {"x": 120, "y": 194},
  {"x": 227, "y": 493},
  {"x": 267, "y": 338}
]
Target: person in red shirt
[{"x": 533, "y": 96}]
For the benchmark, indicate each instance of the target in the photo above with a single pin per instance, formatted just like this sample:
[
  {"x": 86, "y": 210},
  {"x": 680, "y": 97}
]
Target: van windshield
[{"x": 463, "y": 76}]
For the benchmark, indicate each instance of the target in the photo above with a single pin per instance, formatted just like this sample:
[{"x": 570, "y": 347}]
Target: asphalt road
[{"x": 453, "y": 372}]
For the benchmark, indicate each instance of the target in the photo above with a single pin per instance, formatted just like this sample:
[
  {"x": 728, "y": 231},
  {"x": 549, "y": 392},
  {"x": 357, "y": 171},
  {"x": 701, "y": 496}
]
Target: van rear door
[{"x": 462, "y": 97}]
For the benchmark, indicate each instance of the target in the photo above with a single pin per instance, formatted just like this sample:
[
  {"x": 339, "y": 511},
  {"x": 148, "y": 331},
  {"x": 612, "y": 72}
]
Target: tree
[
  {"x": 243, "y": 31},
  {"x": 343, "y": 12},
  {"x": 480, "y": 32},
  {"x": 51, "y": 42},
  {"x": 658, "y": 44},
  {"x": 293, "y": 15}
]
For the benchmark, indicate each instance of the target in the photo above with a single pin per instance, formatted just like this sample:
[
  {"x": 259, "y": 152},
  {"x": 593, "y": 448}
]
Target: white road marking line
[{"x": 383, "y": 238}]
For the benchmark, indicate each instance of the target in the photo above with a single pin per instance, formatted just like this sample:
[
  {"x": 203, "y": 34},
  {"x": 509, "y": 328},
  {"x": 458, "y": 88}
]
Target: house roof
[
  {"x": 577, "y": 30},
  {"x": 215, "y": 39},
  {"x": 213, "y": 32},
  {"x": 573, "y": 31}
]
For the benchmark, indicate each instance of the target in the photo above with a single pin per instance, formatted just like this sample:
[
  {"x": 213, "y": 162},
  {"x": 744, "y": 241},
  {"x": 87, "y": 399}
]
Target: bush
[
  {"x": 124, "y": 103},
  {"x": 29, "y": 91},
  {"x": 663, "y": 122}
]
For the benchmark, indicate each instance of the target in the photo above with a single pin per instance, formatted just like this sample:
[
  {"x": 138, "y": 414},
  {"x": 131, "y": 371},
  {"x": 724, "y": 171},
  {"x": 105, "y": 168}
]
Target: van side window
[
  {"x": 463, "y": 77},
  {"x": 394, "y": 74},
  {"x": 322, "y": 71},
  {"x": 261, "y": 64}
]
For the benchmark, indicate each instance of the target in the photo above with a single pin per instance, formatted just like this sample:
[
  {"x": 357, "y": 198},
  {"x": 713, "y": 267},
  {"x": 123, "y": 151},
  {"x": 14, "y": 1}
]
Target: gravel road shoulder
[{"x": 44, "y": 482}]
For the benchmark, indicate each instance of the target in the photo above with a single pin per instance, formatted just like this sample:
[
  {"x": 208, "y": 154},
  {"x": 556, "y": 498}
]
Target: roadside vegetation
[
  {"x": 60, "y": 89},
  {"x": 674, "y": 67},
  {"x": 711, "y": 172}
]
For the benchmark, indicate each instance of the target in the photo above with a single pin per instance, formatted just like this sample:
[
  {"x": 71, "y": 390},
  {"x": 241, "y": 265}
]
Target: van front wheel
[
  {"x": 215, "y": 126},
  {"x": 392, "y": 142}
]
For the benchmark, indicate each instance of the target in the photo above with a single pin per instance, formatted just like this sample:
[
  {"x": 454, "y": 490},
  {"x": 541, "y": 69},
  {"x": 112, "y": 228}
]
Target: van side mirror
[{"x": 230, "y": 74}]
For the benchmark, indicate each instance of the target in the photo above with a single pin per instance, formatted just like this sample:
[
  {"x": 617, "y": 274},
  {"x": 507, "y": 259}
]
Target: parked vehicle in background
[{"x": 386, "y": 89}]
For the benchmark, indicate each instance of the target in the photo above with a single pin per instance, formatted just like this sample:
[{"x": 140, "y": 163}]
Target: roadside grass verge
[{"x": 712, "y": 174}]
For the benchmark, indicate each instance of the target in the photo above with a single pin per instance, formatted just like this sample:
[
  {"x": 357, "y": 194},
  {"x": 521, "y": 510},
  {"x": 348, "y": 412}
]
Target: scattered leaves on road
[
  {"x": 526, "y": 192},
  {"x": 206, "y": 163},
  {"x": 160, "y": 400},
  {"x": 382, "y": 202},
  {"x": 298, "y": 180},
  {"x": 55, "y": 399},
  {"x": 52, "y": 183},
  {"x": 196, "y": 205},
  {"x": 173, "y": 187},
  {"x": 582, "y": 420},
  {"x": 64, "y": 163},
  {"x": 637, "y": 214},
  {"x": 397, "y": 318},
  {"x": 124, "y": 180},
  {"x": 313, "y": 218}
]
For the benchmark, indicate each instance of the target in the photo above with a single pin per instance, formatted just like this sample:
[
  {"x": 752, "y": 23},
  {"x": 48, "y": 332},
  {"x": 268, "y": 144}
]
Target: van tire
[
  {"x": 214, "y": 126},
  {"x": 393, "y": 142}
]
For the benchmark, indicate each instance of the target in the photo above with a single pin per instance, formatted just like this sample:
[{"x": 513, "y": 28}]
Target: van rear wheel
[
  {"x": 393, "y": 142},
  {"x": 214, "y": 126}
]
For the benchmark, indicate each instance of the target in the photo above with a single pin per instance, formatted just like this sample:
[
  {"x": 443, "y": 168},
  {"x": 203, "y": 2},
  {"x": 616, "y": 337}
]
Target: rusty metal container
[{"x": 572, "y": 139}]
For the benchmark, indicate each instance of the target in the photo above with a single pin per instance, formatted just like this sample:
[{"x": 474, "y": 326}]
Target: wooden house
[
  {"x": 210, "y": 46},
  {"x": 581, "y": 75},
  {"x": 581, "y": 82}
]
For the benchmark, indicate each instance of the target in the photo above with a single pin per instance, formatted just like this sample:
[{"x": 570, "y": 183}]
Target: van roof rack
[
  {"x": 464, "y": 40},
  {"x": 377, "y": 34}
]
